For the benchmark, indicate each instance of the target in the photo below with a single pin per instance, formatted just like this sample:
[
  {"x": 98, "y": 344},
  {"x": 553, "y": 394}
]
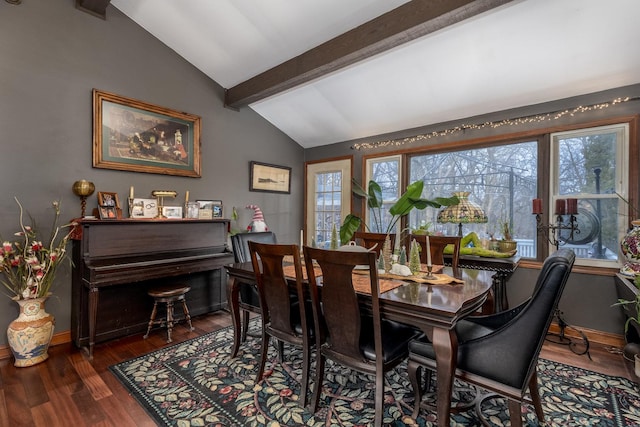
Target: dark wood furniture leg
[
  {"x": 445, "y": 344},
  {"x": 233, "y": 293},
  {"x": 93, "y": 315},
  {"x": 501, "y": 302}
]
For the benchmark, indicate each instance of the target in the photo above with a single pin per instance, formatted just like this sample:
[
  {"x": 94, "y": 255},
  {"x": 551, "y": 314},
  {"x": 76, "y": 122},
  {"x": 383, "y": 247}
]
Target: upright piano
[{"x": 117, "y": 261}]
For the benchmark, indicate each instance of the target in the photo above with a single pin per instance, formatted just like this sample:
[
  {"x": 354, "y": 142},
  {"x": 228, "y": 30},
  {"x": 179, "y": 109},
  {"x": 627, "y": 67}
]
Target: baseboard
[
  {"x": 594, "y": 336},
  {"x": 57, "y": 339}
]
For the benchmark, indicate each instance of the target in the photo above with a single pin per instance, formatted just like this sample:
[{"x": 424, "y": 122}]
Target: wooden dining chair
[
  {"x": 344, "y": 332},
  {"x": 500, "y": 352},
  {"x": 249, "y": 301},
  {"x": 438, "y": 245},
  {"x": 283, "y": 316},
  {"x": 374, "y": 240}
]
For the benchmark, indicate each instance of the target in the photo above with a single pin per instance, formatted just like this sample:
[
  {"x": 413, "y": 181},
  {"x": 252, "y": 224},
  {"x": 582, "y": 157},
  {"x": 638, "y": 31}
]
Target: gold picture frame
[{"x": 133, "y": 135}]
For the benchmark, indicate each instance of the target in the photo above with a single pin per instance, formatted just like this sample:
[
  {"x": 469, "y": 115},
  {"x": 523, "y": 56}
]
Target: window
[
  {"x": 386, "y": 172},
  {"x": 589, "y": 165},
  {"x": 503, "y": 176},
  {"x": 501, "y": 179},
  {"x": 328, "y": 199}
]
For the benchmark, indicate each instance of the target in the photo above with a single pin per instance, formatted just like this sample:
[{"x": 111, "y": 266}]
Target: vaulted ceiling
[{"x": 326, "y": 71}]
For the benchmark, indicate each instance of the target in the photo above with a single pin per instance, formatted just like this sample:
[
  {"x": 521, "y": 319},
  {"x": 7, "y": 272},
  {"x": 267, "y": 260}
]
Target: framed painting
[
  {"x": 269, "y": 178},
  {"x": 132, "y": 135}
]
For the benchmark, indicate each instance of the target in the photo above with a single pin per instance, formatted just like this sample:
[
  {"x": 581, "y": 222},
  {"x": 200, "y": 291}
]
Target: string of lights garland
[{"x": 537, "y": 118}]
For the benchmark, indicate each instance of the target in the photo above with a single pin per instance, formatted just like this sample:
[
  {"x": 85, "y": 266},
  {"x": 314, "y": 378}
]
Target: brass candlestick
[
  {"x": 430, "y": 275},
  {"x": 83, "y": 189}
]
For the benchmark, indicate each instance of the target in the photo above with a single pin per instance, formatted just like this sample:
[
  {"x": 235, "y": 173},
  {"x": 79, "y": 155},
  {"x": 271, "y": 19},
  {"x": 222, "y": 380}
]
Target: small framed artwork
[
  {"x": 108, "y": 212},
  {"x": 269, "y": 178},
  {"x": 172, "y": 211},
  {"x": 192, "y": 210},
  {"x": 106, "y": 198},
  {"x": 144, "y": 208},
  {"x": 208, "y": 209}
]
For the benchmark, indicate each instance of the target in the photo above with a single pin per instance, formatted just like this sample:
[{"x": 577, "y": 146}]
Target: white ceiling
[{"x": 525, "y": 52}]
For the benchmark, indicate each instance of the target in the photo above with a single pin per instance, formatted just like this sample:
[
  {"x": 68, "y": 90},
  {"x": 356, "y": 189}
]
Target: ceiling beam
[
  {"x": 401, "y": 25},
  {"x": 94, "y": 7}
]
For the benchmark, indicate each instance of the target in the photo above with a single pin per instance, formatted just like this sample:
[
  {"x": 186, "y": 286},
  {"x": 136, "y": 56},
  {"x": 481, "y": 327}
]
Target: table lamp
[
  {"x": 83, "y": 189},
  {"x": 465, "y": 212}
]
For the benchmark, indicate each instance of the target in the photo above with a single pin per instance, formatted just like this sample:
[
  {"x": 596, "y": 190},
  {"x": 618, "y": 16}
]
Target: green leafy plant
[
  {"x": 409, "y": 200},
  {"x": 506, "y": 231},
  {"x": 634, "y": 302}
]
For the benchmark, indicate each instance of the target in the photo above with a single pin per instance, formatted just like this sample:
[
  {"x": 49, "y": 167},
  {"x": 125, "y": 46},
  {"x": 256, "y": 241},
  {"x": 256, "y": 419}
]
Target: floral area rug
[{"x": 195, "y": 383}]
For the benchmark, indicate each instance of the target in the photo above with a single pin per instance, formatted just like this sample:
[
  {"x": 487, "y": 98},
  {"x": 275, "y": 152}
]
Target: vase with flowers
[{"x": 29, "y": 266}]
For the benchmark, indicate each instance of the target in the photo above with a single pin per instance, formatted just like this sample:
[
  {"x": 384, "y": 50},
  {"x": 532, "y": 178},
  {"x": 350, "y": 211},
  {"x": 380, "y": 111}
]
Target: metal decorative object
[
  {"x": 160, "y": 195},
  {"x": 83, "y": 189}
]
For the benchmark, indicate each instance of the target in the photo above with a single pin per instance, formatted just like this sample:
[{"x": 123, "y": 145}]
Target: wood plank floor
[{"x": 68, "y": 390}]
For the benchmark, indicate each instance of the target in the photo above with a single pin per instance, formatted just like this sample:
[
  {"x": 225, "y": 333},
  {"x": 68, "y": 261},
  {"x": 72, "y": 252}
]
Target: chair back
[
  {"x": 279, "y": 313},
  {"x": 509, "y": 354},
  {"x": 336, "y": 304},
  {"x": 240, "y": 243},
  {"x": 369, "y": 240},
  {"x": 438, "y": 244}
]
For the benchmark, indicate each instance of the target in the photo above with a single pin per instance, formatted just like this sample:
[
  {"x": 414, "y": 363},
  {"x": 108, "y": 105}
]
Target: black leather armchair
[
  {"x": 500, "y": 352},
  {"x": 249, "y": 300}
]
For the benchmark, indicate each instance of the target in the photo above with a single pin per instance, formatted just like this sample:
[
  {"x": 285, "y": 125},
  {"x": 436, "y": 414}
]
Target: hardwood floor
[{"x": 68, "y": 390}]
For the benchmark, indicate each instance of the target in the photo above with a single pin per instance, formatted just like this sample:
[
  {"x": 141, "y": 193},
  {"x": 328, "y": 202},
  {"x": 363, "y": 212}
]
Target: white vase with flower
[{"x": 29, "y": 267}]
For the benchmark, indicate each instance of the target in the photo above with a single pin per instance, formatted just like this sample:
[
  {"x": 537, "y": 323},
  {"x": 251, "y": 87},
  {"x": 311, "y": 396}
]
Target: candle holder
[
  {"x": 430, "y": 275},
  {"x": 553, "y": 231}
]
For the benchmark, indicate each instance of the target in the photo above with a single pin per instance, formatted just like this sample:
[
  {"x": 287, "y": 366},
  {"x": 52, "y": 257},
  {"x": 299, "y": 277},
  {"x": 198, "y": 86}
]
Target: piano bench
[{"x": 168, "y": 294}]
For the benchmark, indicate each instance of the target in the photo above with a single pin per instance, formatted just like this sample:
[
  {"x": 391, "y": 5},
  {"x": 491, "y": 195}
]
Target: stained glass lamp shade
[{"x": 465, "y": 212}]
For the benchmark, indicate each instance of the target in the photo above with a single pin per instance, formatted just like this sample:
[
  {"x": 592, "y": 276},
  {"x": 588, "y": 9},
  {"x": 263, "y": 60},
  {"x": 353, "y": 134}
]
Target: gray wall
[
  {"x": 587, "y": 298},
  {"x": 52, "y": 56}
]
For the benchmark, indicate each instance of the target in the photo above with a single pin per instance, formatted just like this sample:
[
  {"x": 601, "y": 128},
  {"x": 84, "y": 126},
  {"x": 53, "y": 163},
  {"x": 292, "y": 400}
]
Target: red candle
[
  {"x": 572, "y": 206},
  {"x": 561, "y": 206},
  {"x": 537, "y": 206}
]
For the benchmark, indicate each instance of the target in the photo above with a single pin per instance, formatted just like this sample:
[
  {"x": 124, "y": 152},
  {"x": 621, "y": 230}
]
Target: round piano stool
[{"x": 168, "y": 294}]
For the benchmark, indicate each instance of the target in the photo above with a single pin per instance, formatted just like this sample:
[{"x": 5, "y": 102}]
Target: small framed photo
[
  {"x": 172, "y": 211},
  {"x": 192, "y": 210},
  {"x": 108, "y": 212},
  {"x": 209, "y": 209},
  {"x": 144, "y": 208},
  {"x": 106, "y": 198}
]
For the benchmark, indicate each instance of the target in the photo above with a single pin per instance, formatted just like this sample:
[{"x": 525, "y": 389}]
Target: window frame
[
  {"x": 312, "y": 168},
  {"x": 542, "y": 135},
  {"x": 621, "y": 182}
]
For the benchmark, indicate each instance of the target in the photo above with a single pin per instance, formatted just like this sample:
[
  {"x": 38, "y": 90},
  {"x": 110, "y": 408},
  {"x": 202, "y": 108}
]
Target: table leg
[
  {"x": 445, "y": 345},
  {"x": 500, "y": 291},
  {"x": 233, "y": 293}
]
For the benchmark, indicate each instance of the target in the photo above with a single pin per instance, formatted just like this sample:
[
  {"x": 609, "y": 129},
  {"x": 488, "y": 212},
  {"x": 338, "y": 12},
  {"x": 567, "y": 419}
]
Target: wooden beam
[
  {"x": 94, "y": 7},
  {"x": 401, "y": 25}
]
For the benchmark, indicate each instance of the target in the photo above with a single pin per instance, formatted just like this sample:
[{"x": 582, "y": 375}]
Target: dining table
[{"x": 434, "y": 308}]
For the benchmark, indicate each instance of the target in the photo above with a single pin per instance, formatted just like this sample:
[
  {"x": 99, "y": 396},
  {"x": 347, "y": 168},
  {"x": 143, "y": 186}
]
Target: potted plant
[
  {"x": 409, "y": 200},
  {"x": 629, "y": 300},
  {"x": 29, "y": 266},
  {"x": 507, "y": 244}
]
